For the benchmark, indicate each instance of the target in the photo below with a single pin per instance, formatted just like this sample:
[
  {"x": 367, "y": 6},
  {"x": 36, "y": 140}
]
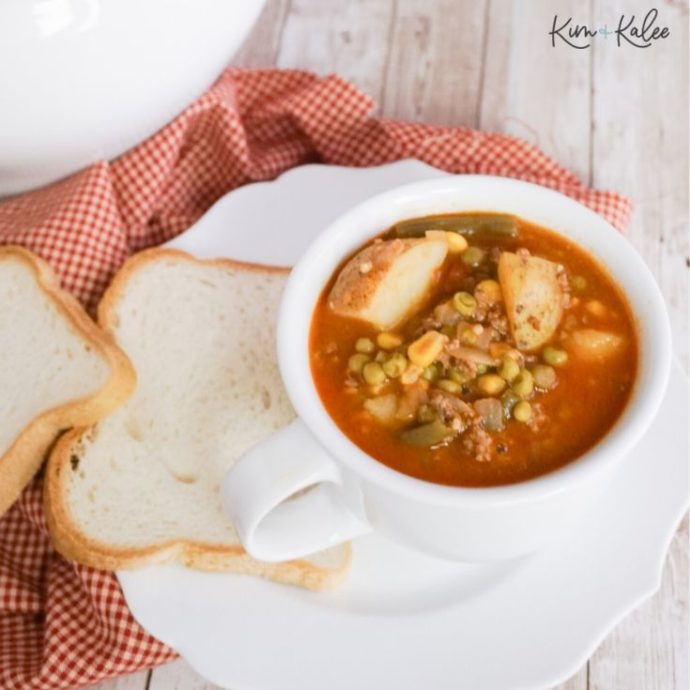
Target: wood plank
[
  {"x": 649, "y": 649},
  {"x": 343, "y": 38},
  {"x": 533, "y": 91},
  {"x": 435, "y": 62},
  {"x": 132, "y": 681},
  {"x": 178, "y": 675},
  {"x": 521, "y": 67},
  {"x": 640, "y": 147},
  {"x": 640, "y": 106},
  {"x": 260, "y": 48},
  {"x": 514, "y": 95}
]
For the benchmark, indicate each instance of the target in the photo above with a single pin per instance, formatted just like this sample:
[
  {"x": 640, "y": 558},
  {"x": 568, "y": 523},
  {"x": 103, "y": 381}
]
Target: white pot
[{"x": 85, "y": 80}]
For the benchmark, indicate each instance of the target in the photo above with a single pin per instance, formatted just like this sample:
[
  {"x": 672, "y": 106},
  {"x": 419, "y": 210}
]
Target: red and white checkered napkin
[{"x": 61, "y": 625}]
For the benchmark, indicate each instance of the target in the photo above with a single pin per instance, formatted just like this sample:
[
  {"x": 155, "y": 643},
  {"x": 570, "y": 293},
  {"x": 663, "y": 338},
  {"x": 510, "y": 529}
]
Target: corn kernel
[
  {"x": 497, "y": 350},
  {"x": 389, "y": 341},
  {"x": 411, "y": 374},
  {"x": 596, "y": 308},
  {"x": 456, "y": 242},
  {"x": 449, "y": 386},
  {"x": 427, "y": 348}
]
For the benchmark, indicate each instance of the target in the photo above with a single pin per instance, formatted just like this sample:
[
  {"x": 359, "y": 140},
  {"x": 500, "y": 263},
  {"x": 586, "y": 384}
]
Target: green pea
[
  {"x": 449, "y": 386},
  {"x": 473, "y": 256},
  {"x": 464, "y": 303},
  {"x": 523, "y": 384},
  {"x": 365, "y": 345},
  {"x": 395, "y": 365},
  {"x": 356, "y": 362},
  {"x": 544, "y": 376},
  {"x": 554, "y": 356},
  {"x": 373, "y": 373},
  {"x": 431, "y": 373},
  {"x": 522, "y": 411},
  {"x": 482, "y": 368},
  {"x": 509, "y": 368},
  {"x": 455, "y": 374}
]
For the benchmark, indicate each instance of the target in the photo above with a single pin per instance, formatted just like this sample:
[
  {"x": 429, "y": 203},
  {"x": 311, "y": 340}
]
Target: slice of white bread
[
  {"x": 57, "y": 368},
  {"x": 142, "y": 486}
]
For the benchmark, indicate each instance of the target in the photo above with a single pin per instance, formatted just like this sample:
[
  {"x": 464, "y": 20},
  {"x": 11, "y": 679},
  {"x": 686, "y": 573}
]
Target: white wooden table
[{"x": 616, "y": 116}]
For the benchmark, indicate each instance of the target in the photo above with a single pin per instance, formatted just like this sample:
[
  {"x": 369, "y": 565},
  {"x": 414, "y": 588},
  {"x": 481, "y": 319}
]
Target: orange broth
[{"x": 584, "y": 405}]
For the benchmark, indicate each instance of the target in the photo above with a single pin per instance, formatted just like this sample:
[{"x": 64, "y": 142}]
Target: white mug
[{"x": 353, "y": 493}]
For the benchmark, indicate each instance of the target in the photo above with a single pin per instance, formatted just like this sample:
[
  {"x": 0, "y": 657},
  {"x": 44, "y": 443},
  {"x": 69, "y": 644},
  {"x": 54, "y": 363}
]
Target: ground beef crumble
[
  {"x": 463, "y": 419},
  {"x": 477, "y": 442}
]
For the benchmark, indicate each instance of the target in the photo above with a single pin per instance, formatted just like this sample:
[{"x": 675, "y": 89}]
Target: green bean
[
  {"x": 464, "y": 303},
  {"x": 373, "y": 373},
  {"x": 365, "y": 345},
  {"x": 356, "y": 362},
  {"x": 427, "y": 435},
  {"x": 554, "y": 356},
  {"x": 465, "y": 224}
]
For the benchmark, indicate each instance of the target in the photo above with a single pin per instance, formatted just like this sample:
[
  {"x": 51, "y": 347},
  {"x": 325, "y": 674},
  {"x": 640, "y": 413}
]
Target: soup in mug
[{"x": 473, "y": 349}]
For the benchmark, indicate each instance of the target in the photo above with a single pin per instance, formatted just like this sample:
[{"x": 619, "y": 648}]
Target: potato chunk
[
  {"x": 593, "y": 345},
  {"x": 383, "y": 408},
  {"x": 386, "y": 281},
  {"x": 533, "y": 298}
]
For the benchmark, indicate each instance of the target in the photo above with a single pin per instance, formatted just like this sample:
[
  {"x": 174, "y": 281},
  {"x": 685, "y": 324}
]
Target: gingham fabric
[{"x": 62, "y": 625}]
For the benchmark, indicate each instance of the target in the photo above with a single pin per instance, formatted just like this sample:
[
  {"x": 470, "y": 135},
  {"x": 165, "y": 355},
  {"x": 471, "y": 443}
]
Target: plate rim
[{"x": 647, "y": 586}]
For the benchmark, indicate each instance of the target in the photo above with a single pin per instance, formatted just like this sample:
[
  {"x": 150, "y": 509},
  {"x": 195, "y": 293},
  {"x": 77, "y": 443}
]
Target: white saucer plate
[{"x": 404, "y": 621}]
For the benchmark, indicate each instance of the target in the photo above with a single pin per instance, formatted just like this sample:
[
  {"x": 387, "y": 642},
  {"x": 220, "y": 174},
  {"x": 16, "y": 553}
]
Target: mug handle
[{"x": 271, "y": 522}]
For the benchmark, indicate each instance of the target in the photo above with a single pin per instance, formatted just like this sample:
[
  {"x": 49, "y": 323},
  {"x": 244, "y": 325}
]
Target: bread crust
[
  {"x": 72, "y": 543},
  {"x": 24, "y": 457}
]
